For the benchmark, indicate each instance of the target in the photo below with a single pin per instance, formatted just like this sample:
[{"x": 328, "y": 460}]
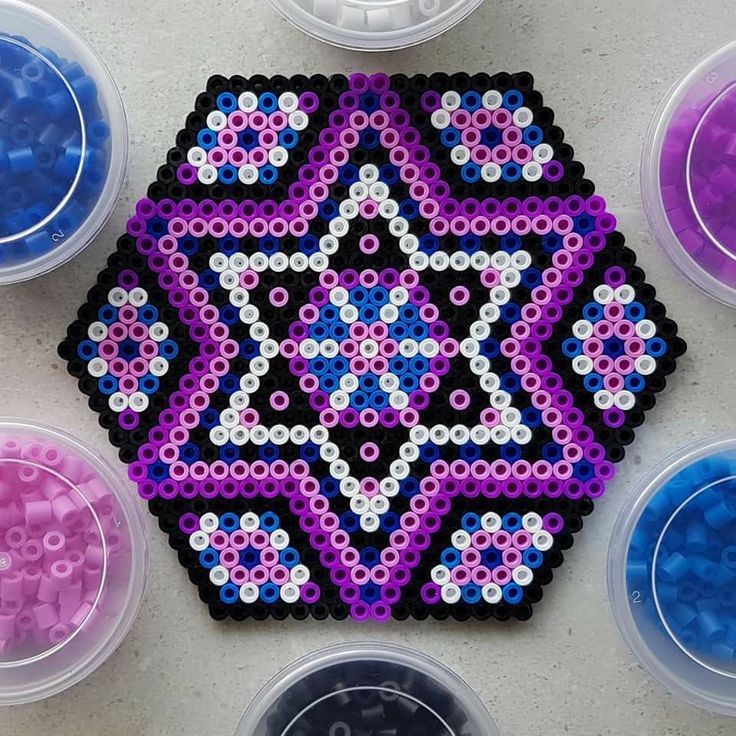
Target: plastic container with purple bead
[
  {"x": 73, "y": 561},
  {"x": 688, "y": 174},
  {"x": 366, "y": 688}
]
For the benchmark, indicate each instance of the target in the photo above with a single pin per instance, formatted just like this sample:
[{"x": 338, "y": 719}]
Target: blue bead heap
[
  {"x": 681, "y": 565},
  {"x": 54, "y": 149}
]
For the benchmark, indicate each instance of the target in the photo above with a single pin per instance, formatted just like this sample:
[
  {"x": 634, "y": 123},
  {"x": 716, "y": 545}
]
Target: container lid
[
  {"x": 376, "y": 687},
  {"x": 688, "y": 174},
  {"x": 73, "y": 561},
  {"x": 672, "y": 574},
  {"x": 375, "y": 25},
  {"x": 63, "y": 142}
]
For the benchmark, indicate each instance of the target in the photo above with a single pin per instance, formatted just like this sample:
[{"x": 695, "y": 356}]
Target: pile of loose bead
[
  {"x": 54, "y": 149},
  {"x": 60, "y": 531},
  {"x": 681, "y": 561}
]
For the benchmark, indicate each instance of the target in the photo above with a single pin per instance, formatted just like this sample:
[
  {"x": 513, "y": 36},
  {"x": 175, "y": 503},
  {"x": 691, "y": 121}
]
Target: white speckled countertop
[{"x": 602, "y": 66}]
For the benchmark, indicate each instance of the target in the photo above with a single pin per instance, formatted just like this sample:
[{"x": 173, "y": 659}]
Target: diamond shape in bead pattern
[{"x": 371, "y": 346}]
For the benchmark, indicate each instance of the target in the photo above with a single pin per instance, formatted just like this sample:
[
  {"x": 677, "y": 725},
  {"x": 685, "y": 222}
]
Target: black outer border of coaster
[{"x": 167, "y": 186}]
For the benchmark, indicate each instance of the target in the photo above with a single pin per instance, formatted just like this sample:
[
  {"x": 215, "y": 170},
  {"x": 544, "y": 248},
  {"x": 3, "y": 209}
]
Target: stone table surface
[{"x": 602, "y": 66}]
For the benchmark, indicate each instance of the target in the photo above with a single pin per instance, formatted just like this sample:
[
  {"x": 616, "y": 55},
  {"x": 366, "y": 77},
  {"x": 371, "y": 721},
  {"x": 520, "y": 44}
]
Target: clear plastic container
[
  {"x": 63, "y": 142},
  {"x": 672, "y": 574},
  {"x": 688, "y": 174},
  {"x": 375, "y": 25},
  {"x": 73, "y": 561},
  {"x": 370, "y": 689}
]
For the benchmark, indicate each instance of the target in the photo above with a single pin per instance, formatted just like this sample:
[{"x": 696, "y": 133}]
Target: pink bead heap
[{"x": 59, "y": 534}]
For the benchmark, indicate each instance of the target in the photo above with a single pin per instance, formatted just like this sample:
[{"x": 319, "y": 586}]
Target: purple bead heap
[{"x": 371, "y": 346}]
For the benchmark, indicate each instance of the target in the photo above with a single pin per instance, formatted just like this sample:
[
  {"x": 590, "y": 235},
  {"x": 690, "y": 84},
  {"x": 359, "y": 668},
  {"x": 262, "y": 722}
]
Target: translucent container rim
[
  {"x": 110, "y": 192},
  {"x": 374, "y": 40},
  {"x": 355, "y": 651},
  {"x": 618, "y": 547},
  {"x": 649, "y": 180},
  {"x": 140, "y": 554}
]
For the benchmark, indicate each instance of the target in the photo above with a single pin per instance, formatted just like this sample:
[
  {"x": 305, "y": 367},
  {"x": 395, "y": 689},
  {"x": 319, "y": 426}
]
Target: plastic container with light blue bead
[
  {"x": 672, "y": 574},
  {"x": 63, "y": 142}
]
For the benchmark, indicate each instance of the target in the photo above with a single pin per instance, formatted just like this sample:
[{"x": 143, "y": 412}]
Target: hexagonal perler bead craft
[{"x": 371, "y": 346}]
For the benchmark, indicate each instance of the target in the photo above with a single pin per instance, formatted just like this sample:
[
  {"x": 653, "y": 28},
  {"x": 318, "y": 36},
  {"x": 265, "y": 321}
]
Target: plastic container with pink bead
[{"x": 73, "y": 561}]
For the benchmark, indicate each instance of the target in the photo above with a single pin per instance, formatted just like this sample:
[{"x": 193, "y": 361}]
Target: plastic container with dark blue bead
[
  {"x": 672, "y": 574},
  {"x": 370, "y": 689},
  {"x": 63, "y": 142}
]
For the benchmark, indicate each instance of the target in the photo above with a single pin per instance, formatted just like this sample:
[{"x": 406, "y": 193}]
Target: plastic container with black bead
[{"x": 367, "y": 688}]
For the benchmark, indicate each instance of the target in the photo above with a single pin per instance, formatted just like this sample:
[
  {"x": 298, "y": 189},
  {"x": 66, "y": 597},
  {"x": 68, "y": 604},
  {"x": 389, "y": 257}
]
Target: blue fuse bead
[
  {"x": 513, "y": 593},
  {"x": 721, "y": 514},
  {"x": 702, "y": 567},
  {"x": 269, "y": 593},
  {"x": 688, "y": 521},
  {"x": 39, "y": 243},
  {"x": 471, "y": 593},
  {"x": 229, "y": 522},
  {"x": 21, "y": 160},
  {"x": 673, "y": 568},
  {"x": 708, "y": 625},
  {"x": 208, "y": 558},
  {"x": 229, "y": 593}
]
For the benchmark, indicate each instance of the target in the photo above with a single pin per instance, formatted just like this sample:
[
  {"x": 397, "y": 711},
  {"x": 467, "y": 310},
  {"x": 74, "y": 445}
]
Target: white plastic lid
[{"x": 375, "y": 25}]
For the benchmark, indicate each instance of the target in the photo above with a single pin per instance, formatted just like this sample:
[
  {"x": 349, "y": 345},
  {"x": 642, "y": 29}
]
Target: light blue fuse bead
[
  {"x": 727, "y": 597},
  {"x": 59, "y": 105},
  {"x": 731, "y": 634},
  {"x": 721, "y": 514},
  {"x": 39, "y": 243},
  {"x": 682, "y": 614},
  {"x": 70, "y": 219},
  {"x": 723, "y": 652},
  {"x": 708, "y": 602},
  {"x": 637, "y": 575},
  {"x": 673, "y": 568},
  {"x": 696, "y": 538},
  {"x": 660, "y": 506},
  {"x": 708, "y": 625},
  {"x": 724, "y": 577},
  {"x": 666, "y": 593},
  {"x": 702, "y": 567},
  {"x": 728, "y": 557},
  {"x": 85, "y": 89}
]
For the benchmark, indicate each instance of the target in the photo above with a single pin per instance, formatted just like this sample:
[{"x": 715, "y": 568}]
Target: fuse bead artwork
[{"x": 387, "y": 317}]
